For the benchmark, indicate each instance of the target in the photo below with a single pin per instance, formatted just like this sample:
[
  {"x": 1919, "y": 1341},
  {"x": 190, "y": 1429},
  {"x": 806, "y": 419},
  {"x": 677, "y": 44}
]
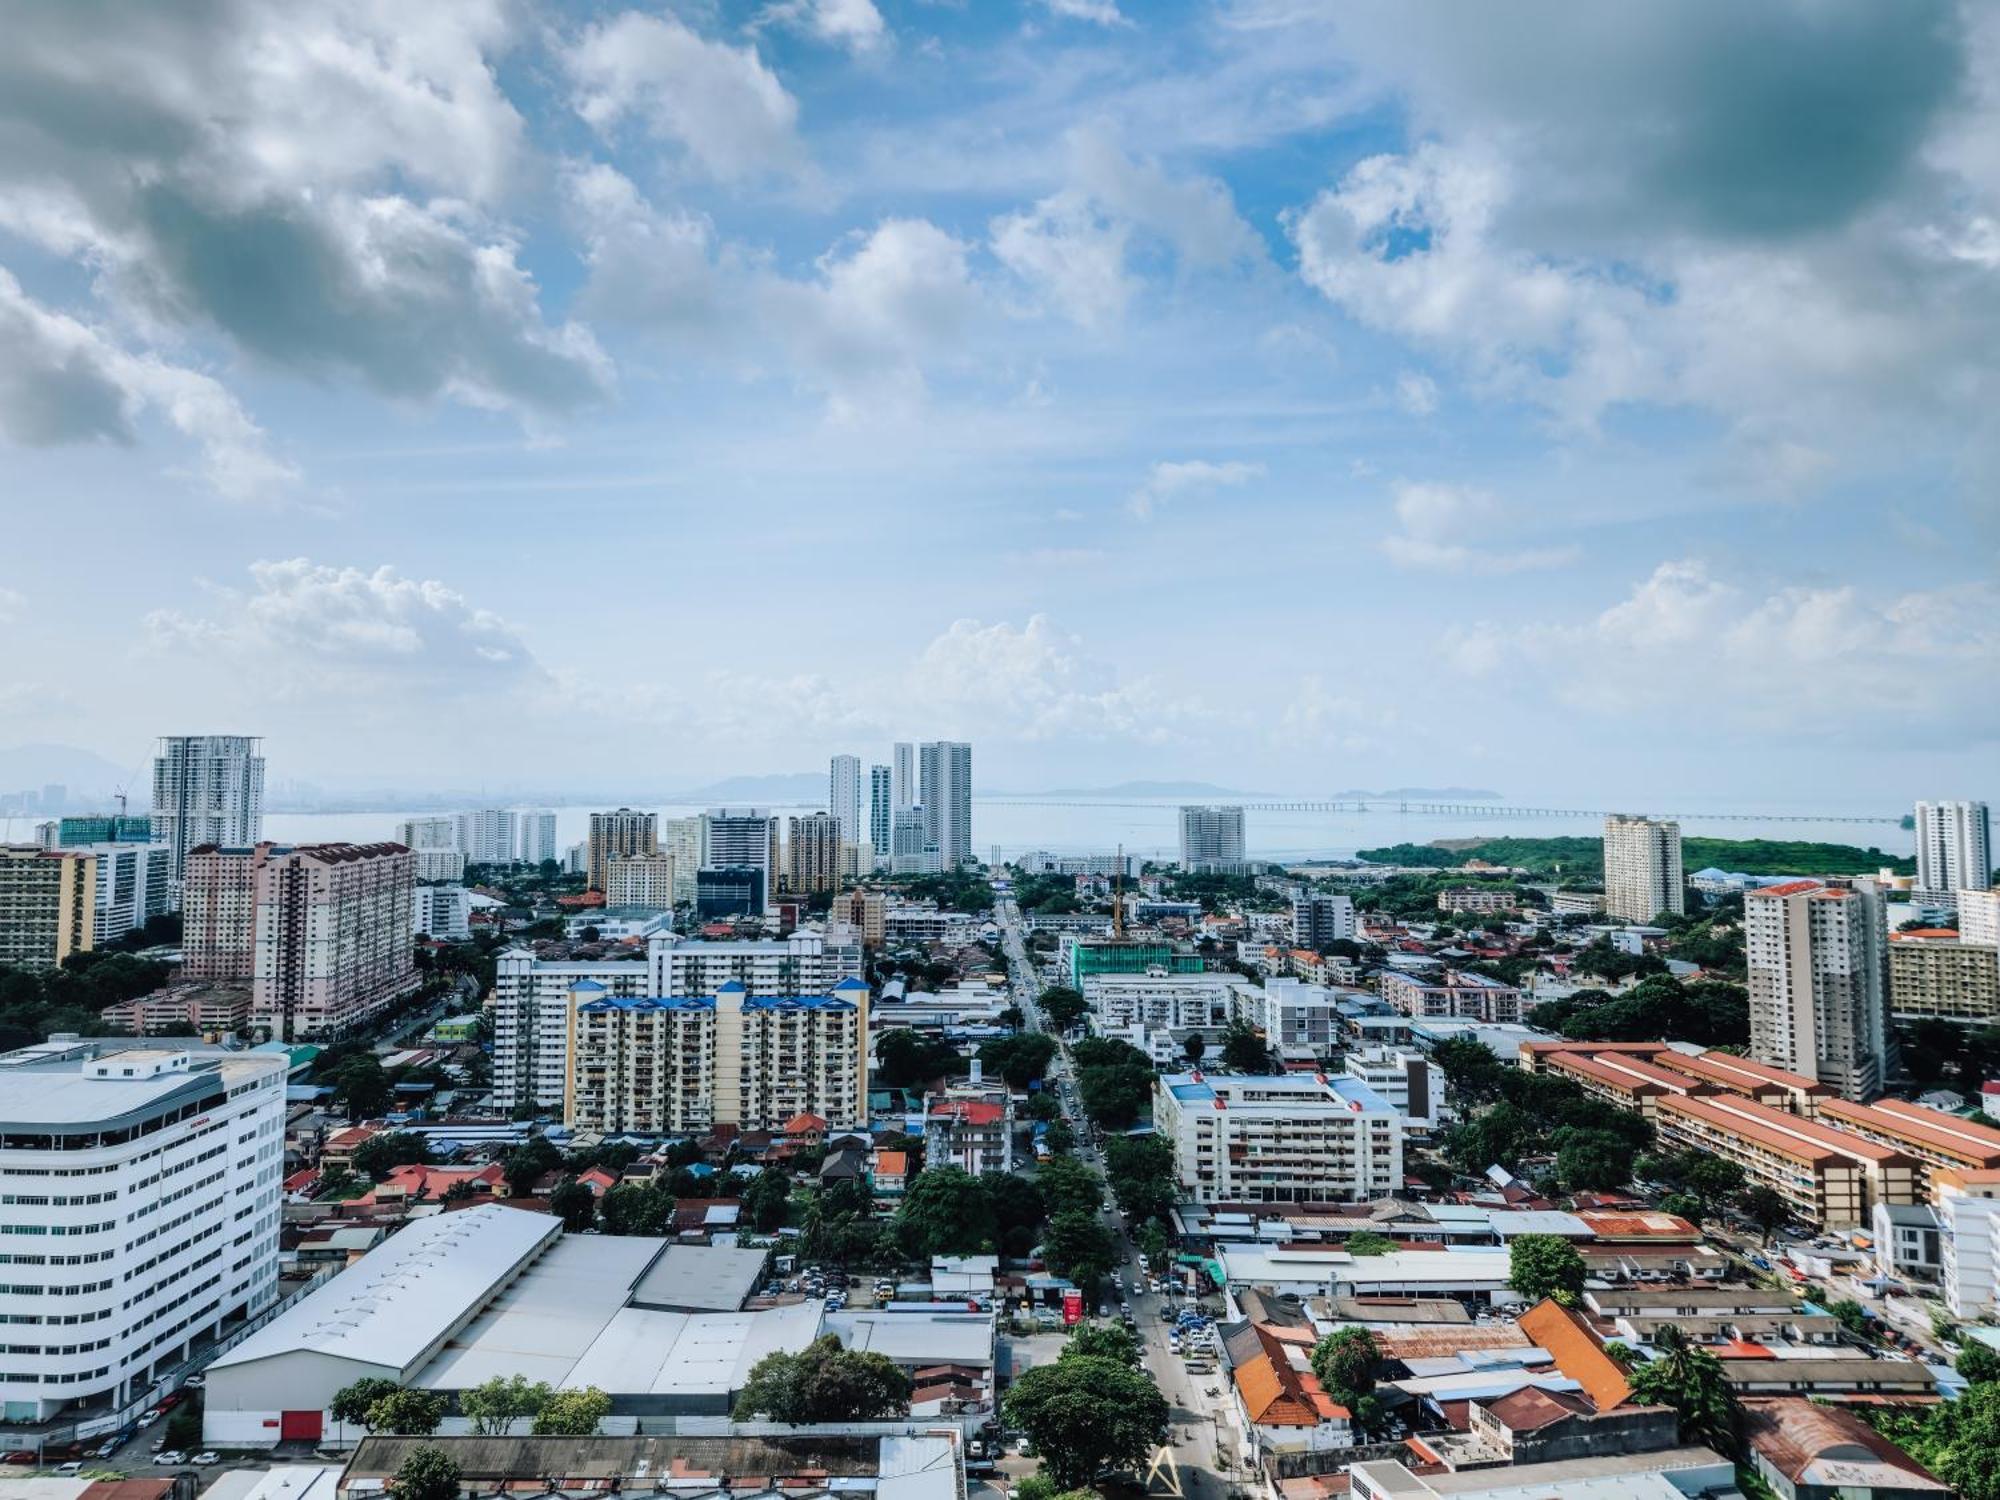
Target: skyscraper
[
  {"x": 434, "y": 841},
  {"x": 1954, "y": 850},
  {"x": 910, "y": 849},
  {"x": 944, "y": 786},
  {"x": 904, "y": 777},
  {"x": 620, "y": 832},
  {"x": 538, "y": 837},
  {"x": 1819, "y": 988},
  {"x": 681, "y": 838},
  {"x": 881, "y": 809},
  {"x": 48, "y": 902},
  {"x": 487, "y": 836},
  {"x": 741, "y": 838},
  {"x": 1642, "y": 868},
  {"x": 1212, "y": 838},
  {"x": 812, "y": 853},
  {"x": 843, "y": 797},
  {"x": 207, "y": 789}
]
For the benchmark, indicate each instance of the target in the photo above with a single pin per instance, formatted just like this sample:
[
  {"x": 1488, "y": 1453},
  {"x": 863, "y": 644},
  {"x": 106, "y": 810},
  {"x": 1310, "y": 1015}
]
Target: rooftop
[
  {"x": 1827, "y": 1447},
  {"x": 60, "y": 1085},
  {"x": 699, "y": 1278}
]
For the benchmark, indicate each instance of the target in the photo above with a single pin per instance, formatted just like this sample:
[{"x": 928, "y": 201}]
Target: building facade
[
  {"x": 681, "y": 838},
  {"x": 1453, "y": 993},
  {"x": 1320, "y": 918},
  {"x": 1954, "y": 850},
  {"x": 1289, "y": 1012},
  {"x": 881, "y": 812},
  {"x": 944, "y": 787},
  {"x": 1212, "y": 839},
  {"x": 741, "y": 838},
  {"x": 434, "y": 841},
  {"x": 641, "y": 880},
  {"x": 1157, "y": 999},
  {"x": 903, "y": 774},
  {"x": 48, "y": 905},
  {"x": 845, "y": 798},
  {"x": 618, "y": 833},
  {"x": 1297, "y": 1138},
  {"x": 489, "y": 836},
  {"x": 1819, "y": 982},
  {"x": 207, "y": 789},
  {"x": 1936, "y": 972},
  {"x": 971, "y": 1129},
  {"x": 537, "y": 837},
  {"x": 1642, "y": 868},
  {"x": 332, "y": 938},
  {"x": 131, "y": 887},
  {"x": 443, "y": 912},
  {"x": 812, "y": 852}
]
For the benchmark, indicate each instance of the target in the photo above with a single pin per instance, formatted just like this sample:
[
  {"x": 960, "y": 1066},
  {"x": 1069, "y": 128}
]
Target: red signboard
[{"x": 1072, "y": 1309}]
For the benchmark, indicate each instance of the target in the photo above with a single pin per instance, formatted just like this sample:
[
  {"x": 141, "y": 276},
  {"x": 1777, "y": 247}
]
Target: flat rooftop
[
  {"x": 700, "y": 1278},
  {"x": 62, "y": 1086}
]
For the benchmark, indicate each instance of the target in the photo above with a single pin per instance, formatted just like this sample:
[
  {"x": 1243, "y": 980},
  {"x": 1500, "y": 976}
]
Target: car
[
  {"x": 105, "y": 1449},
  {"x": 160, "y": 1444},
  {"x": 73, "y": 1467},
  {"x": 194, "y": 1382},
  {"x": 207, "y": 1460},
  {"x": 18, "y": 1456},
  {"x": 170, "y": 1457}
]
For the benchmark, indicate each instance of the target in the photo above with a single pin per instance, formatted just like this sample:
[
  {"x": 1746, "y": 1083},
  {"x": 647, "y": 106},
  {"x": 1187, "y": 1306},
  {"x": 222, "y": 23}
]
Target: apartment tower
[
  {"x": 1819, "y": 987},
  {"x": 944, "y": 786},
  {"x": 844, "y": 797},
  {"x": 881, "y": 810},
  {"x": 1954, "y": 850},
  {"x": 1642, "y": 868},
  {"x": 207, "y": 789},
  {"x": 1212, "y": 838},
  {"x": 619, "y": 833}
]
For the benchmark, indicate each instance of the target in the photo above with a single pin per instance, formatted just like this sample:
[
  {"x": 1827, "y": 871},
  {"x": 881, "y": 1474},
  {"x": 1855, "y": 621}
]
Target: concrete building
[
  {"x": 741, "y": 838},
  {"x": 48, "y": 905},
  {"x": 1968, "y": 1205},
  {"x": 1930, "y": 1135},
  {"x": 911, "y": 851},
  {"x": 1642, "y": 868},
  {"x": 812, "y": 852},
  {"x": 971, "y": 1128},
  {"x": 1819, "y": 982},
  {"x": 182, "y": 1010},
  {"x": 1832, "y": 1179},
  {"x": 619, "y": 833},
  {"x": 845, "y": 798},
  {"x": 646, "y": 880},
  {"x": 434, "y": 841},
  {"x": 903, "y": 775},
  {"x": 682, "y": 1064},
  {"x": 865, "y": 910},
  {"x": 442, "y": 911},
  {"x": 1320, "y": 918},
  {"x": 1954, "y": 850},
  {"x": 1455, "y": 992},
  {"x": 881, "y": 812},
  {"x": 537, "y": 837},
  {"x": 1212, "y": 839},
  {"x": 1158, "y": 1000},
  {"x": 1979, "y": 917},
  {"x": 1284, "y": 1139},
  {"x": 1289, "y": 1012},
  {"x": 489, "y": 836},
  {"x": 131, "y": 887},
  {"x": 1808, "y": 1450},
  {"x": 1406, "y": 1080},
  {"x": 207, "y": 789},
  {"x": 681, "y": 838},
  {"x": 1477, "y": 900},
  {"x": 143, "y": 1192},
  {"x": 1043, "y": 862},
  {"x": 1936, "y": 972},
  {"x": 944, "y": 787}
]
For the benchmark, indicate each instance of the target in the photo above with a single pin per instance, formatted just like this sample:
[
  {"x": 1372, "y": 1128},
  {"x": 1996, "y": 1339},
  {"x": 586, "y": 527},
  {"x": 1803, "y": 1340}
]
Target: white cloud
[
  {"x": 719, "y": 103},
  {"x": 1171, "y": 480},
  {"x": 1069, "y": 255},
  {"x": 1195, "y": 214},
  {"x": 1450, "y": 528},
  {"x": 854, "y": 24},
  {"x": 650, "y": 268},
  {"x": 1097, "y": 12}
]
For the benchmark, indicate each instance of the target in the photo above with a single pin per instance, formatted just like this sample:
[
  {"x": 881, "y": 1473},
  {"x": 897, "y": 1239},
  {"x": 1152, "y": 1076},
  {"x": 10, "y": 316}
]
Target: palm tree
[{"x": 1690, "y": 1380}]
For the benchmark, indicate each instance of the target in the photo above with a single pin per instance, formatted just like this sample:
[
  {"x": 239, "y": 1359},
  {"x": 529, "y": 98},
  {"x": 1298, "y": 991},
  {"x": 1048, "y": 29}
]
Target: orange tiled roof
[
  {"x": 1576, "y": 1351},
  {"x": 892, "y": 1163}
]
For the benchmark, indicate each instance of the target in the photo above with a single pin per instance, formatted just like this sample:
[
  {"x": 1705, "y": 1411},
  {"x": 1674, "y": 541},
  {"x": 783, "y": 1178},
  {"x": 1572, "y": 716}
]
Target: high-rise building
[
  {"x": 1954, "y": 850},
  {"x": 620, "y": 832},
  {"x": 903, "y": 773},
  {"x": 102, "y": 830},
  {"x": 1979, "y": 917},
  {"x": 48, "y": 904},
  {"x": 538, "y": 837},
  {"x": 219, "y": 914},
  {"x": 881, "y": 811},
  {"x": 1819, "y": 987},
  {"x": 1937, "y": 972},
  {"x": 844, "y": 798},
  {"x": 812, "y": 853},
  {"x": 911, "y": 851},
  {"x": 434, "y": 841},
  {"x": 1642, "y": 868},
  {"x": 741, "y": 838},
  {"x": 944, "y": 786},
  {"x": 640, "y": 880},
  {"x": 487, "y": 836},
  {"x": 1320, "y": 918},
  {"x": 131, "y": 887},
  {"x": 1212, "y": 839},
  {"x": 681, "y": 838},
  {"x": 443, "y": 912},
  {"x": 1294, "y": 1138},
  {"x": 207, "y": 789},
  {"x": 154, "y": 1170}
]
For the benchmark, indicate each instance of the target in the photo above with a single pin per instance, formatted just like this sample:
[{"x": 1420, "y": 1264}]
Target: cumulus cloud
[
  {"x": 1096, "y": 12},
  {"x": 1449, "y": 528},
  {"x": 1069, "y": 255},
  {"x": 1171, "y": 480},
  {"x": 1193, "y": 213},
  {"x": 650, "y": 268},
  {"x": 854, "y": 24},
  {"x": 718, "y": 103},
  {"x": 1794, "y": 665}
]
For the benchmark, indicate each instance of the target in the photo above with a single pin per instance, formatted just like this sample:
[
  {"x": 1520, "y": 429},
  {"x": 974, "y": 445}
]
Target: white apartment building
[
  {"x": 444, "y": 912},
  {"x": 845, "y": 794},
  {"x": 1294, "y": 1138},
  {"x": 207, "y": 789},
  {"x": 911, "y": 851},
  {"x": 1455, "y": 992},
  {"x": 1289, "y": 1012},
  {"x": 1409, "y": 1082},
  {"x": 1968, "y": 1208},
  {"x": 1157, "y": 999},
  {"x": 487, "y": 836},
  {"x": 531, "y": 997},
  {"x": 1043, "y": 862},
  {"x": 1954, "y": 850},
  {"x": 916, "y": 922},
  {"x": 537, "y": 837},
  {"x": 1979, "y": 917},
  {"x": 944, "y": 788},
  {"x": 1320, "y": 918},
  {"x": 741, "y": 838},
  {"x": 1212, "y": 838},
  {"x": 971, "y": 1129},
  {"x": 141, "y": 1184},
  {"x": 434, "y": 841},
  {"x": 132, "y": 886},
  {"x": 641, "y": 880},
  {"x": 681, "y": 838},
  {"x": 1642, "y": 868},
  {"x": 903, "y": 775},
  {"x": 1819, "y": 987}
]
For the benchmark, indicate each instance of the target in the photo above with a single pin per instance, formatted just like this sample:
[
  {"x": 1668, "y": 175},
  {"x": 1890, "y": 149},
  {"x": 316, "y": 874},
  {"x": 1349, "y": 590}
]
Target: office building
[
  {"x": 1212, "y": 839},
  {"x": 143, "y": 1192},
  {"x": 944, "y": 786},
  {"x": 1642, "y": 868},
  {"x": 1293, "y": 1138},
  {"x": 1819, "y": 982},
  {"x": 1935, "y": 972},
  {"x": 207, "y": 789},
  {"x": 723, "y": 891},
  {"x": 537, "y": 837},
  {"x": 812, "y": 854},
  {"x": 673, "y": 1064},
  {"x": 435, "y": 843},
  {"x": 911, "y": 851},
  {"x": 131, "y": 887},
  {"x": 903, "y": 774},
  {"x": 643, "y": 880},
  {"x": 844, "y": 793},
  {"x": 48, "y": 905},
  {"x": 741, "y": 838},
  {"x": 1954, "y": 850},
  {"x": 618, "y": 833},
  {"x": 443, "y": 912},
  {"x": 488, "y": 836},
  {"x": 881, "y": 811},
  {"x": 1319, "y": 919}
]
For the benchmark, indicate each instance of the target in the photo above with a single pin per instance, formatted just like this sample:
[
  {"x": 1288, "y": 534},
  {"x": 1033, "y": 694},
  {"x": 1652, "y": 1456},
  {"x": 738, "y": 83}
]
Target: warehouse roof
[{"x": 700, "y": 1278}]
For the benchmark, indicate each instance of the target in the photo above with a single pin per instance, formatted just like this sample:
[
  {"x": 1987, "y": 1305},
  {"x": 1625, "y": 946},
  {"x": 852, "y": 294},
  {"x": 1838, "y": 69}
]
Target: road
[{"x": 1202, "y": 1432}]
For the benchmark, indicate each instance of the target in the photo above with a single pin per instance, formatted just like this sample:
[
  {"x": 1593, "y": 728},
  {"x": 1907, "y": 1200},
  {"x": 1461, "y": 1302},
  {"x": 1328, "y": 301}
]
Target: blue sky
[{"x": 1575, "y": 401}]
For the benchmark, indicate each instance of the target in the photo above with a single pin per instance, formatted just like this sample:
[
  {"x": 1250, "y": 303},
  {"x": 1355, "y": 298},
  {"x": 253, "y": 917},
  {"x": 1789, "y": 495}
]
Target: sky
[{"x": 1577, "y": 401}]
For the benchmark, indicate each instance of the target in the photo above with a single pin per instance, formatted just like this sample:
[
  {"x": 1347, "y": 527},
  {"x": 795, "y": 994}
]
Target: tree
[
  {"x": 945, "y": 1212},
  {"x": 1086, "y": 1415},
  {"x": 1078, "y": 1247},
  {"x": 1116, "y": 1096},
  {"x": 1102, "y": 1341},
  {"x": 1691, "y": 1381},
  {"x": 1971, "y": 1428},
  {"x": 904, "y": 1059},
  {"x": 764, "y": 1199},
  {"x": 1853, "y": 1317},
  {"x": 1243, "y": 1050},
  {"x": 407, "y": 1413},
  {"x": 1545, "y": 1265},
  {"x": 528, "y": 1163},
  {"x": 1978, "y": 1362},
  {"x": 379, "y": 1155},
  {"x": 1063, "y": 1007},
  {"x": 1764, "y": 1207},
  {"x": 1018, "y": 1210},
  {"x": 573, "y": 1413},
  {"x": 1152, "y": 1242},
  {"x": 426, "y": 1473},
  {"x": 1368, "y": 1242},
  {"x": 1020, "y": 1059},
  {"x": 1193, "y": 1048},
  {"x": 361, "y": 1085},
  {"x": 574, "y": 1204},
  {"x": 1066, "y": 1185},
  {"x": 495, "y": 1405},
  {"x": 351, "y": 1404},
  {"x": 1592, "y": 1160},
  {"x": 1345, "y": 1362},
  {"x": 1059, "y": 1138},
  {"x": 1471, "y": 1071},
  {"x": 824, "y": 1382},
  {"x": 633, "y": 1209}
]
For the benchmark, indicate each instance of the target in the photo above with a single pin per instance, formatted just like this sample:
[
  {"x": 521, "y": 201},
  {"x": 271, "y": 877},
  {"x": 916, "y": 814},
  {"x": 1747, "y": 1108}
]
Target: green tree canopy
[
  {"x": 572, "y": 1413},
  {"x": 945, "y": 1211},
  {"x": 1066, "y": 1184},
  {"x": 635, "y": 1209},
  {"x": 824, "y": 1382},
  {"x": 1063, "y": 1006},
  {"x": 494, "y": 1405},
  {"x": 1079, "y": 1247},
  {"x": 426, "y": 1473},
  {"x": 764, "y": 1199},
  {"x": 907, "y": 1059},
  {"x": 1592, "y": 1160},
  {"x": 1345, "y": 1362},
  {"x": 574, "y": 1204},
  {"x": 1102, "y": 1341},
  {"x": 1243, "y": 1050},
  {"x": 352, "y": 1403},
  {"x": 1116, "y": 1096},
  {"x": 1020, "y": 1059},
  {"x": 1691, "y": 1381},
  {"x": 1545, "y": 1265},
  {"x": 1368, "y": 1242},
  {"x": 1978, "y": 1361},
  {"x": 1765, "y": 1207},
  {"x": 407, "y": 1413},
  {"x": 379, "y": 1155},
  {"x": 1086, "y": 1415}
]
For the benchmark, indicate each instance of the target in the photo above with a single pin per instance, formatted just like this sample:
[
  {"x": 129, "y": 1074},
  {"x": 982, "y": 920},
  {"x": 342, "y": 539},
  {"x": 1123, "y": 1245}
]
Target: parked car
[
  {"x": 194, "y": 1382},
  {"x": 160, "y": 1443},
  {"x": 169, "y": 1458},
  {"x": 207, "y": 1460},
  {"x": 19, "y": 1456}
]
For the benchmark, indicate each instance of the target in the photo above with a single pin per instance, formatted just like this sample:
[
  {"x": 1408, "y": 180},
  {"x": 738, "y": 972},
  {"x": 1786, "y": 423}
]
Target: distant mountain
[
  {"x": 1427, "y": 794},
  {"x": 788, "y": 786},
  {"x": 88, "y": 775},
  {"x": 1141, "y": 789}
]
